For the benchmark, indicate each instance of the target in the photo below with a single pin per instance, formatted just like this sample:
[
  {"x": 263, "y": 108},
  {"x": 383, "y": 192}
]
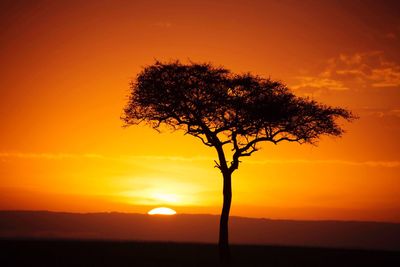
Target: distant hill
[{"x": 198, "y": 228}]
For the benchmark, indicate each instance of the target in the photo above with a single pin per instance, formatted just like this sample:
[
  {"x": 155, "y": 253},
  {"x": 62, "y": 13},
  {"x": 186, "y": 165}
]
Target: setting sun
[{"x": 162, "y": 211}]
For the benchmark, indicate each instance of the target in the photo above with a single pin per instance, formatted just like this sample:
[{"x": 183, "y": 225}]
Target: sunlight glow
[
  {"x": 162, "y": 190},
  {"x": 170, "y": 198},
  {"x": 161, "y": 211}
]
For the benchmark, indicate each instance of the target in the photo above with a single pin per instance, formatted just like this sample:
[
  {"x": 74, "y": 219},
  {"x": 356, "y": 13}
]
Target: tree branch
[
  {"x": 254, "y": 149},
  {"x": 202, "y": 139},
  {"x": 252, "y": 143},
  {"x": 217, "y": 165}
]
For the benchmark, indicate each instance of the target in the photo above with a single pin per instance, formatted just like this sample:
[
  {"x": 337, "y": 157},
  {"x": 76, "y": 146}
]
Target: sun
[{"x": 161, "y": 211}]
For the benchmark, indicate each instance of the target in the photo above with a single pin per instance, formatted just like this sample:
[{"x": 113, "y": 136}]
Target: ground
[{"x": 113, "y": 253}]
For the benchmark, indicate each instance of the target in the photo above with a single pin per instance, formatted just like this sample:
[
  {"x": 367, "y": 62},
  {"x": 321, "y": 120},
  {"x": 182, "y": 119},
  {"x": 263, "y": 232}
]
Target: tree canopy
[{"x": 220, "y": 107}]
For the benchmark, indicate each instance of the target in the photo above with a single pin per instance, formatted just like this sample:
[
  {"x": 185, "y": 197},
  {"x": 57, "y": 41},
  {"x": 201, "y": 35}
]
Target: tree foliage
[{"x": 220, "y": 108}]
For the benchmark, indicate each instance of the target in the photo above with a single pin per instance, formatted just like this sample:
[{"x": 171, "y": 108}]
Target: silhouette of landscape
[
  {"x": 122, "y": 239},
  {"x": 124, "y": 253},
  {"x": 198, "y": 228}
]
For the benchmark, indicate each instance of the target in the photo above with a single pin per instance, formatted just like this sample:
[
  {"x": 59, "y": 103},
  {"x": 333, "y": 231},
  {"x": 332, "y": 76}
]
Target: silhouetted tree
[{"x": 226, "y": 110}]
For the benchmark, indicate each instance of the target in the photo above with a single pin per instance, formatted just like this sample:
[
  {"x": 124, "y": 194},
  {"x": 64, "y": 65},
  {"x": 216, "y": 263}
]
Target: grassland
[{"x": 30, "y": 252}]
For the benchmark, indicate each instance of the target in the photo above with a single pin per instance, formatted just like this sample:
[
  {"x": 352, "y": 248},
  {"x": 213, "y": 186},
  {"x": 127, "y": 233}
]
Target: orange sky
[{"x": 65, "y": 69}]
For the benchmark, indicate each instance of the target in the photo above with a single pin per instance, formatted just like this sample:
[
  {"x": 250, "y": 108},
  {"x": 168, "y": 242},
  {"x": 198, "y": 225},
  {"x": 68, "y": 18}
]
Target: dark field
[{"x": 113, "y": 253}]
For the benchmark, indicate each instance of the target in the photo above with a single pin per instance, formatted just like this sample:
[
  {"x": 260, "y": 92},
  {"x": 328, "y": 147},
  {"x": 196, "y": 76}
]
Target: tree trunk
[{"x": 223, "y": 244}]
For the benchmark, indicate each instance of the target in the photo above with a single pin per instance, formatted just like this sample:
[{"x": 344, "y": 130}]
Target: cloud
[
  {"x": 371, "y": 163},
  {"x": 370, "y": 69},
  {"x": 353, "y": 71},
  {"x": 380, "y": 112},
  {"x": 48, "y": 155},
  {"x": 395, "y": 112},
  {"x": 386, "y": 77},
  {"x": 319, "y": 83},
  {"x": 61, "y": 156}
]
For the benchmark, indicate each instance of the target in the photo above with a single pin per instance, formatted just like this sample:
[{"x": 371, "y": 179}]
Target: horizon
[
  {"x": 112, "y": 226},
  {"x": 199, "y": 214}
]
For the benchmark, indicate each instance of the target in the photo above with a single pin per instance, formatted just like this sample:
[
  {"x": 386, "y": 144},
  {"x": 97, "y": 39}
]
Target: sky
[{"x": 64, "y": 80}]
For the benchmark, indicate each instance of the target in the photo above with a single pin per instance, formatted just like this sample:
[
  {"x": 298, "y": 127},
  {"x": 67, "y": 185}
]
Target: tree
[{"x": 230, "y": 112}]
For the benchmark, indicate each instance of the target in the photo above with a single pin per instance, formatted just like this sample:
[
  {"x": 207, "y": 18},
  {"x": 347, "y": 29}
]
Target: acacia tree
[{"x": 231, "y": 112}]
